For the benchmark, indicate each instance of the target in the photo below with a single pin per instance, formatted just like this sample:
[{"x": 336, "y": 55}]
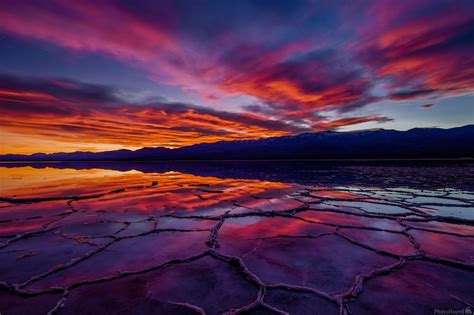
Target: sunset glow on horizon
[{"x": 108, "y": 75}]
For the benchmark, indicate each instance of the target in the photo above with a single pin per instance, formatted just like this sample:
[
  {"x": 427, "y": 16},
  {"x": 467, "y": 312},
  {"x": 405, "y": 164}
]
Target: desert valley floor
[{"x": 266, "y": 238}]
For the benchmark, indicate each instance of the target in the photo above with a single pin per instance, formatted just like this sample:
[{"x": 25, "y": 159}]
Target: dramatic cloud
[
  {"x": 294, "y": 61},
  {"x": 67, "y": 111},
  {"x": 430, "y": 54},
  {"x": 316, "y": 81}
]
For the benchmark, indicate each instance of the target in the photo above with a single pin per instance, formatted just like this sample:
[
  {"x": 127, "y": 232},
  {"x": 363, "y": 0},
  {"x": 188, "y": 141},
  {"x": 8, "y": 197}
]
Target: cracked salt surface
[{"x": 95, "y": 240}]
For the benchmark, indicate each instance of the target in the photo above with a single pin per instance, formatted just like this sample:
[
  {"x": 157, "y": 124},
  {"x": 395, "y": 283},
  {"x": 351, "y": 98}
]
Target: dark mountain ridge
[{"x": 367, "y": 144}]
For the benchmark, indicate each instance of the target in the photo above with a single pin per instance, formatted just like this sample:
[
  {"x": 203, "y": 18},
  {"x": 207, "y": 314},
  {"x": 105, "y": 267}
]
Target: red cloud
[
  {"x": 77, "y": 113},
  {"x": 431, "y": 55},
  {"x": 351, "y": 121}
]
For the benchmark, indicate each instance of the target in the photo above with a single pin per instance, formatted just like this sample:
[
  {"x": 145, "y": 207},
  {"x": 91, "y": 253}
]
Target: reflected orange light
[{"x": 173, "y": 189}]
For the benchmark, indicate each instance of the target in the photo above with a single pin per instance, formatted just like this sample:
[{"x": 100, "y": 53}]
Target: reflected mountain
[{"x": 456, "y": 173}]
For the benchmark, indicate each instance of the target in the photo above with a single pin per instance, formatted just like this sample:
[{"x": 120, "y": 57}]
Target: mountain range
[{"x": 366, "y": 144}]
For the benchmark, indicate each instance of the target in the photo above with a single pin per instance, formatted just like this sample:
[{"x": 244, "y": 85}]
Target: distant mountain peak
[{"x": 362, "y": 144}]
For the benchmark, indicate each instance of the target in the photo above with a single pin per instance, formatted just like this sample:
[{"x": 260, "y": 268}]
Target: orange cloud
[
  {"x": 51, "y": 116},
  {"x": 350, "y": 121}
]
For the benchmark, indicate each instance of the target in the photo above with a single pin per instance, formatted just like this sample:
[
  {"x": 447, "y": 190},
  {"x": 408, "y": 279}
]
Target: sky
[{"x": 105, "y": 75}]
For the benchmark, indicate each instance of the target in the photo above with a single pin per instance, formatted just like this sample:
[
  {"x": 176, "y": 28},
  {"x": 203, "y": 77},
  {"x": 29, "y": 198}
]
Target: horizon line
[{"x": 237, "y": 140}]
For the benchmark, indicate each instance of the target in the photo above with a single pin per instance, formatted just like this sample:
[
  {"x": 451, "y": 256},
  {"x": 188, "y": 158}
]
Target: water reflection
[
  {"x": 430, "y": 174},
  {"x": 312, "y": 225}
]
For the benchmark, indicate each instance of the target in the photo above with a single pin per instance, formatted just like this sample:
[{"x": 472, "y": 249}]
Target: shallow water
[{"x": 216, "y": 237}]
